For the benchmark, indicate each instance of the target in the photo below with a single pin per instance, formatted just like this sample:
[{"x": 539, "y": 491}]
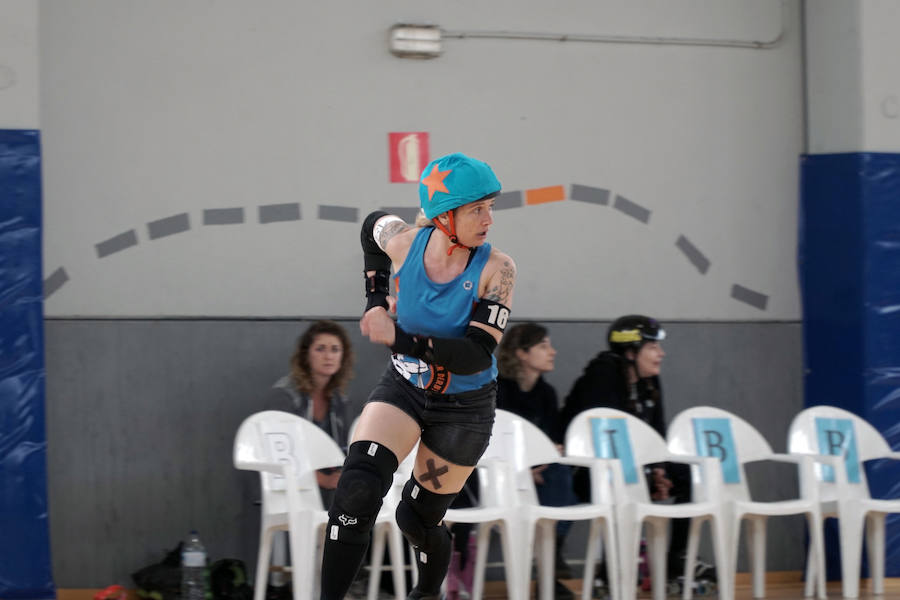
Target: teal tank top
[{"x": 438, "y": 310}]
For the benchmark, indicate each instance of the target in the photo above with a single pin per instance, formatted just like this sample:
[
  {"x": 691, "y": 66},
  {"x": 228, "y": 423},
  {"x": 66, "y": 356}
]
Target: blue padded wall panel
[
  {"x": 849, "y": 265},
  {"x": 25, "y": 567}
]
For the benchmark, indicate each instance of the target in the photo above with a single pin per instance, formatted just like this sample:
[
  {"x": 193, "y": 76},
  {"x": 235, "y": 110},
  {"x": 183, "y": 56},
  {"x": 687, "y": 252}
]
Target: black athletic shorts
[{"x": 456, "y": 427}]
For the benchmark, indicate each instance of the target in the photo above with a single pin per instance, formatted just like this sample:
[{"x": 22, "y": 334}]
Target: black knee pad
[
  {"x": 366, "y": 477},
  {"x": 420, "y": 511}
]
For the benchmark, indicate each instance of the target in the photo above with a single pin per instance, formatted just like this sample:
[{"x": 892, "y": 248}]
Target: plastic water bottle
[{"x": 194, "y": 580}]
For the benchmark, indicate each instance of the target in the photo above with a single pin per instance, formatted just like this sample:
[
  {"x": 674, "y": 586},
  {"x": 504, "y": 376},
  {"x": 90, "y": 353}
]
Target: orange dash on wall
[{"x": 554, "y": 193}]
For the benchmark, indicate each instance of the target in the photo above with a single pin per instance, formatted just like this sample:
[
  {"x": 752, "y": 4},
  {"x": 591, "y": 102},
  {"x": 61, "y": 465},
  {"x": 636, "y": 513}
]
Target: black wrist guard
[
  {"x": 377, "y": 289},
  {"x": 410, "y": 345}
]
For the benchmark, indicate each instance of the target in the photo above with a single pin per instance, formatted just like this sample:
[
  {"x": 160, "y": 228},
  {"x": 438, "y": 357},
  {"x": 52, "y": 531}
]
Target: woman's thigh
[{"x": 389, "y": 426}]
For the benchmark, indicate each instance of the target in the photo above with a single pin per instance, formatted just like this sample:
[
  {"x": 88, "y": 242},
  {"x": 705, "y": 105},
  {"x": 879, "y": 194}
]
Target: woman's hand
[
  {"x": 377, "y": 325},
  {"x": 536, "y": 474},
  {"x": 661, "y": 485}
]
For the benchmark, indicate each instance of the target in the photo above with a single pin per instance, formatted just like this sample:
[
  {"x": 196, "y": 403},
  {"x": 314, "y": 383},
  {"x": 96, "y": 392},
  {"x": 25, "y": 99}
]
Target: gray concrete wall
[
  {"x": 676, "y": 157},
  {"x": 141, "y": 416}
]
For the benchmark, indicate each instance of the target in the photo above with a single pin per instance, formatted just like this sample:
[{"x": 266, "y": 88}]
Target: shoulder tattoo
[
  {"x": 391, "y": 228},
  {"x": 502, "y": 283}
]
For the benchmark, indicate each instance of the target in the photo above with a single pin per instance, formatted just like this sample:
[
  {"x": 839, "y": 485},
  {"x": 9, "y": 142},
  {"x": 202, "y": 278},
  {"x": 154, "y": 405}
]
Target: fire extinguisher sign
[{"x": 409, "y": 155}]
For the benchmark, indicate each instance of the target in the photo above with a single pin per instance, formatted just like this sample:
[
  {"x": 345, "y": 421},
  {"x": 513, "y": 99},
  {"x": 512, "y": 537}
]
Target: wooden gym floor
[{"x": 779, "y": 586}]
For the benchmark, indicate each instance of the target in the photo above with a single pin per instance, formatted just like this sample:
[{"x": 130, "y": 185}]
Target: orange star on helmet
[{"x": 434, "y": 181}]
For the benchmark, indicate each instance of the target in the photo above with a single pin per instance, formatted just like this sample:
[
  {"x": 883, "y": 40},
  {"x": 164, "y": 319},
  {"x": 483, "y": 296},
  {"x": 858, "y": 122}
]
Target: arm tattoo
[
  {"x": 500, "y": 291},
  {"x": 389, "y": 231}
]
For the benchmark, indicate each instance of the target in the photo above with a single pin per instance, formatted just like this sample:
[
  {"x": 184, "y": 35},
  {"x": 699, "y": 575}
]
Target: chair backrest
[
  {"x": 520, "y": 445},
  {"x": 271, "y": 439},
  {"x": 710, "y": 431},
  {"x": 837, "y": 432},
  {"x": 614, "y": 434}
]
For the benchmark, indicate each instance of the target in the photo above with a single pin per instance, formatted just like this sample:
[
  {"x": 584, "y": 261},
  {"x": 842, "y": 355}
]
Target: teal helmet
[{"x": 450, "y": 181}]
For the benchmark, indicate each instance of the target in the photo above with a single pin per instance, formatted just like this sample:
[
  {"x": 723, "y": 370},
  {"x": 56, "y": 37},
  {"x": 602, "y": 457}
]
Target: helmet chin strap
[{"x": 451, "y": 233}]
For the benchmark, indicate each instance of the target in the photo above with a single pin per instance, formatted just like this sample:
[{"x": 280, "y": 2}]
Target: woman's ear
[
  {"x": 630, "y": 355},
  {"x": 521, "y": 354}
]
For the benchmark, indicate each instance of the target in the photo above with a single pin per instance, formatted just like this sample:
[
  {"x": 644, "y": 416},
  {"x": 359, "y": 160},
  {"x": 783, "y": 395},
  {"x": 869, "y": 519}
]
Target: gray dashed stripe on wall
[
  {"x": 748, "y": 296},
  {"x": 275, "y": 213},
  {"x": 584, "y": 193},
  {"x": 633, "y": 210},
  {"x": 508, "y": 200},
  {"x": 169, "y": 226},
  {"x": 55, "y": 281},
  {"x": 223, "y": 216},
  {"x": 117, "y": 243},
  {"x": 693, "y": 254},
  {"x": 407, "y": 213},
  {"x": 348, "y": 214}
]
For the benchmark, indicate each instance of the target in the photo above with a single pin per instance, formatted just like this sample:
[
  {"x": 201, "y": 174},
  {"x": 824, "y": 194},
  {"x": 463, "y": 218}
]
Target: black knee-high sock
[
  {"x": 433, "y": 561},
  {"x": 365, "y": 479},
  {"x": 340, "y": 564}
]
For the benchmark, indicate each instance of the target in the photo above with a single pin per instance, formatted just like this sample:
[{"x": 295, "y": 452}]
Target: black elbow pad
[{"x": 374, "y": 258}]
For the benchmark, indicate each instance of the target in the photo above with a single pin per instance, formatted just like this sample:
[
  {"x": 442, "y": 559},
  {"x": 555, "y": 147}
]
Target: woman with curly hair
[{"x": 321, "y": 368}]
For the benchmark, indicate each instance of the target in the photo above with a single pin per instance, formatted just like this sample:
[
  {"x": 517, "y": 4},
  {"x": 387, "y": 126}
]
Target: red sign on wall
[{"x": 409, "y": 155}]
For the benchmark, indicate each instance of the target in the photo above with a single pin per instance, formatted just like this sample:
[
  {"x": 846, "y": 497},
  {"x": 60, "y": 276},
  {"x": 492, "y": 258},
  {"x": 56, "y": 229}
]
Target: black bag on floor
[
  {"x": 228, "y": 580},
  {"x": 160, "y": 581}
]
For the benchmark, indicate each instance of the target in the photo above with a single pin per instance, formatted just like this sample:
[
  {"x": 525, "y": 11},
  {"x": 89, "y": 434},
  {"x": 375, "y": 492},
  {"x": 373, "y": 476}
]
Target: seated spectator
[
  {"x": 626, "y": 377},
  {"x": 321, "y": 367},
  {"x": 524, "y": 355}
]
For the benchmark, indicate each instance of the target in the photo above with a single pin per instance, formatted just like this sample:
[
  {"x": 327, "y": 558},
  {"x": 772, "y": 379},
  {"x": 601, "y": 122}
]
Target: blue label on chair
[
  {"x": 611, "y": 441},
  {"x": 836, "y": 437},
  {"x": 713, "y": 438}
]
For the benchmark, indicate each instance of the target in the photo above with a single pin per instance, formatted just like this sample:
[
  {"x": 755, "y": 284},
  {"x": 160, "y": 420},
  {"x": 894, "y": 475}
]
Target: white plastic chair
[
  {"x": 287, "y": 450},
  {"x": 496, "y": 484},
  {"x": 844, "y": 489},
  {"x": 516, "y": 446},
  {"x": 615, "y": 435},
  {"x": 709, "y": 431}
]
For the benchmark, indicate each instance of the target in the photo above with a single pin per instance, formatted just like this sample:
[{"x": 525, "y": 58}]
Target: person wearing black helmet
[{"x": 626, "y": 377}]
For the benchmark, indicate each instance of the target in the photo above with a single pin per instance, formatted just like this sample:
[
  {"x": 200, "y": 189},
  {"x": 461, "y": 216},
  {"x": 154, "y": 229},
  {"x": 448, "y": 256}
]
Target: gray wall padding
[{"x": 141, "y": 416}]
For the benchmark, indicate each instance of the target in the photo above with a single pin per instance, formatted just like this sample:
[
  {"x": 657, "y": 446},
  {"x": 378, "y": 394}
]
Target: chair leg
[
  {"x": 850, "y": 525},
  {"x": 377, "y": 552},
  {"x": 303, "y": 554},
  {"x": 612, "y": 561},
  {"x": 630, "y": 551},
  {"x": 546, "y": 532},
  {"x": 481, "y": 553},
  {"x": 690, "y": 557},
  {"x": 815, "y": 561},
  {"x": 724, "y": 566},
  {"x": 658, "y": 545},
  {"x": 396, "y": 543},
  {"x": 518, "y": 546},
  {"x": 811, "y": 564},
  {"x": 875, "y": 550},
  {"x": 262, "y": 564},
  {"x": 590, "y": 559},
  {"x": 756, "y": 541}
]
